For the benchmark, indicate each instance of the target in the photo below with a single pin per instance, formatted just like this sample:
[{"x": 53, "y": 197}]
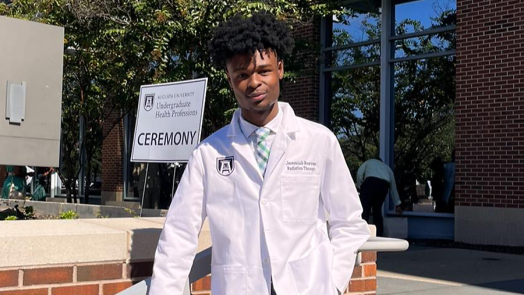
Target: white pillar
[{"x": 54, "y": 178}]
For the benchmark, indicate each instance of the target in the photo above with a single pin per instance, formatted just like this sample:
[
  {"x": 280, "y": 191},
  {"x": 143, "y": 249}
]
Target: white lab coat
[{"x": 263, "y": 229}]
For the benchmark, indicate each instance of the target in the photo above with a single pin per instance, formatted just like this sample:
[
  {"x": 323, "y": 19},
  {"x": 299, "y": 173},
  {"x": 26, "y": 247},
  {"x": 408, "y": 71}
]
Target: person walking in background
[{"x": 375, "y": 179}]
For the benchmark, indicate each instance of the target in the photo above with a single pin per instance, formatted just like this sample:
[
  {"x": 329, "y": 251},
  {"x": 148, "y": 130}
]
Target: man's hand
[{"x": 398, "y": 210}]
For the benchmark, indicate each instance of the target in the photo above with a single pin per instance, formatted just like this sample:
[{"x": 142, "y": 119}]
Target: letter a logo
[
  {"x": 148, "y": 104},
  {"x": 226, "y": 165}
]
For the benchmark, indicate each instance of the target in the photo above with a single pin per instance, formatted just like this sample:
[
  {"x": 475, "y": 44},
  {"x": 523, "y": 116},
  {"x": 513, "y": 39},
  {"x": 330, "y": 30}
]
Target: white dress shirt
[{"x": 248, "y": 129}]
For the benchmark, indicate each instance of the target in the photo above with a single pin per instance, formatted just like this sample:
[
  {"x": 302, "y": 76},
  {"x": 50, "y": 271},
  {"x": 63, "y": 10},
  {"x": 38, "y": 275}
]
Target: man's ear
[
  {"x": 228, "y": 77},
  {"x": 280, "y": 68}
]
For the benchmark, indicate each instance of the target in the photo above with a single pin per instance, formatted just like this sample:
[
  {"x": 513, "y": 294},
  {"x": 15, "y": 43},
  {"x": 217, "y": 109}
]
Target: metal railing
[{"x": 202, "y": 263}]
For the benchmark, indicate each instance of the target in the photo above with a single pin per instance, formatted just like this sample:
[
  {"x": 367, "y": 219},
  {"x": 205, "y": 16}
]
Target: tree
[{"x": 113, "y": 47}]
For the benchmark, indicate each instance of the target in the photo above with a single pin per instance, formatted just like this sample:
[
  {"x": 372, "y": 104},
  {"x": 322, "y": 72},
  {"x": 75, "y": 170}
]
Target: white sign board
[{"x": 169, "y": 121}]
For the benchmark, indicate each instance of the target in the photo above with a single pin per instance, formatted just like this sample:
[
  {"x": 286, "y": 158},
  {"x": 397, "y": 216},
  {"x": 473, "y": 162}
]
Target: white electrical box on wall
[
  {"x": 15, "y": 107},
  {"x": 31, "y": 62}
]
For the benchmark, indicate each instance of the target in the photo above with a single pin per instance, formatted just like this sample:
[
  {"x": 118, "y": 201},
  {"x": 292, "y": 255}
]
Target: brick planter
[{"x": 81, "y": 257}]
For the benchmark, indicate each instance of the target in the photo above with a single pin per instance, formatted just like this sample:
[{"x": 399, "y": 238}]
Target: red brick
[
  {"x": 26, "y": 292},
  {"x": 369, "y": 257},
  {"x": 370, "y": 270},
  {"x": 357, "y": 272},
  {"x": 76, "y": 290},
  {"x": 114, "y": 288},
  {"x": 8, "y": 278},
  {"x": 99, "y": 272},
  {"x": 52, "y": 275},
  {"x": 204, "y": 284},
  {"x": 363, "y": 285}
]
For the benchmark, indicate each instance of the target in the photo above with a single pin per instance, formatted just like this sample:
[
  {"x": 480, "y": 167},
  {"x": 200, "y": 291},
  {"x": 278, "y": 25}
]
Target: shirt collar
[{"x": 248, "y": 128}]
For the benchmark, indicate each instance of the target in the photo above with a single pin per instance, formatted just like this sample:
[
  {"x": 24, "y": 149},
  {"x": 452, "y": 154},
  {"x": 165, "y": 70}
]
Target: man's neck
[{"x": 261, "y": 119}]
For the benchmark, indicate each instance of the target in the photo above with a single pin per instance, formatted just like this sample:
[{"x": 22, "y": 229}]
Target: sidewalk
[{"x": 432, "y": 271}]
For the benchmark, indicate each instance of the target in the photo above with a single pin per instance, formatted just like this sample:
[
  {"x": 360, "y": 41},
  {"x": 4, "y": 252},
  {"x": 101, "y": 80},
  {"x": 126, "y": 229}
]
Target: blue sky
[{"x": 422, "y": 11}]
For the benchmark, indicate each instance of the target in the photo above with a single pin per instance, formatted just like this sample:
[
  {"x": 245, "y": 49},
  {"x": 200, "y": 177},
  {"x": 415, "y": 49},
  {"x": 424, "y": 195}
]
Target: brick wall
[
  {"x": 112, "y": 150},
  {"x": 490, "y": 104},
  {"x": 85, "y": 279},
  {"x": 303, "y": 94}
]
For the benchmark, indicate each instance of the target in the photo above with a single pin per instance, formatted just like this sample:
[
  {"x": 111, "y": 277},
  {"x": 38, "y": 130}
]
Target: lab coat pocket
[
  {"x": 229, "y": 279},
  {"x": 312, "y": 273},
  {"x": 300, "y": 197}
]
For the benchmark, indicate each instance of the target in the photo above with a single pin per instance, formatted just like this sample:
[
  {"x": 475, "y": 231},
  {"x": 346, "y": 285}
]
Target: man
[
  {"x": 265, "y": 191},
  {"x": 375, "y": 179}
]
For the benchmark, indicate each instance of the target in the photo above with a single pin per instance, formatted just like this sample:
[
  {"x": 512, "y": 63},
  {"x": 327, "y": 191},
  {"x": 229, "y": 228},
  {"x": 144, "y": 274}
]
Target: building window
[
  {"x": 424, "y": 132},
  {"x": 424, "y": 96},
  {"x": 419, "y": 55}
]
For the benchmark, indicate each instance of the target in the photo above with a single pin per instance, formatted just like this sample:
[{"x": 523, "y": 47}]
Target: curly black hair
[{"x": 244, "y": 35}]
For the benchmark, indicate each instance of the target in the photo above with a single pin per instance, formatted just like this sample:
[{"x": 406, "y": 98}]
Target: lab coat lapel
[
  {"x": 241, "y": 148},
  {"x": 278, "y": 150},
  {"x": 246, "y": 156},
  {"x": 283, "y": 138}
]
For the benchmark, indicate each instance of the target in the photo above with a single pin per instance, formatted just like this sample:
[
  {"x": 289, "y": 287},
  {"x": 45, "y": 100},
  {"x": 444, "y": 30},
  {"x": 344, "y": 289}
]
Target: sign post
[{"x": 168, "y": 122}]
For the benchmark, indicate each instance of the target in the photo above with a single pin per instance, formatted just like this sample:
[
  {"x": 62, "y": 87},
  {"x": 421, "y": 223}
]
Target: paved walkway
[{"x": 432, "y": 271}]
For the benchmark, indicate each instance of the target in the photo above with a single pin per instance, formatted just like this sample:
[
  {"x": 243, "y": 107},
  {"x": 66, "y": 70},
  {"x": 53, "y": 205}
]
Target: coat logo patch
[{"x": 226, "y": 165}]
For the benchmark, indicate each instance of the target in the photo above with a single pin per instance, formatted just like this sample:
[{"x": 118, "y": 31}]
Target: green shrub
[
  {"x": 12, "y": 217},
  {"x": 131, "y": 212},
  {"x": 69, "y": 214}
]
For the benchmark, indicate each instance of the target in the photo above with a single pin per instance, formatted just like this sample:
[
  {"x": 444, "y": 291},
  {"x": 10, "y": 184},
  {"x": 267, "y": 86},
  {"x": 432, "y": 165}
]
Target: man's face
[{"x": 255, "y": 82}]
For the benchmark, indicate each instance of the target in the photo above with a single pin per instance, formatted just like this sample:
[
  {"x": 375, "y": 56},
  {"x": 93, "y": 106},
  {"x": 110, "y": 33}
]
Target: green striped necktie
[{"x": 262, "y": 149}]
